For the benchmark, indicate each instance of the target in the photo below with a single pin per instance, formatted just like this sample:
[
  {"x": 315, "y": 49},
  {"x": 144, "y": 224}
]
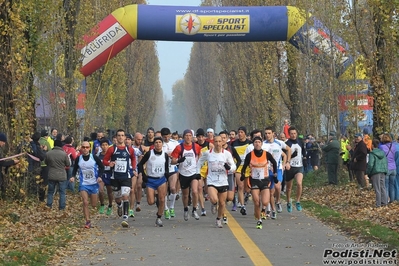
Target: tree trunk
[
  {"x": 5, "y": 68},
  {"x": 71, "y": 9}
]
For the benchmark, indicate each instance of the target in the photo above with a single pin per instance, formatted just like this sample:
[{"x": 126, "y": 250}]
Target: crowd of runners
[{"x": 196, "y": 166}]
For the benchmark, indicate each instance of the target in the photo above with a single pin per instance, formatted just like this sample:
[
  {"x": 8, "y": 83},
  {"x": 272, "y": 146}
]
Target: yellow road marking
[{"x": 254, "y": 253}]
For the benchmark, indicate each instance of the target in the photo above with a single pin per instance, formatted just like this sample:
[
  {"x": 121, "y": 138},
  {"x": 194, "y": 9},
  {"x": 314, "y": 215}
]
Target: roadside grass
[
  {"x": 32, "y": 234},
  {"x": 363, "y": 230},
  {"x": 350, "y": 209}
]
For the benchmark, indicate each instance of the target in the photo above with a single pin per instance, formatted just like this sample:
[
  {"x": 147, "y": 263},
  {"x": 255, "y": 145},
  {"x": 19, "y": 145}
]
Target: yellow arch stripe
[
  {"x": 360, "y": 70},
  {"x": 254, "y": 253},
  {"x": 127, "y": 16},
  {"x": 296, "y": 19}
]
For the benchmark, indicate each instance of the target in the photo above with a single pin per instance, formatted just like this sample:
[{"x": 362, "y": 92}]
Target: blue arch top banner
[
  {"x": 216, "y": 24},
  {"x": 212, "y": 24}
]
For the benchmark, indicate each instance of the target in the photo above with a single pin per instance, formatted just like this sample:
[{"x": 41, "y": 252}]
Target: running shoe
[
  {"x": 138, "y": 209},
  {"x": 101, "y": 210},
  {"x": 120, "y": 210},
  {"x": 131, "y": 213},
  {"x": 185, "y": 215},
  {"x": 243, "y": 211},
  {"x": 279, "y": 207},
  {"x": 109, "y": 211},
  {"x": 158, "y": 222},
  {"x": 203, "y": 212},
  {"x": 225, "y": 221},
  {"x": 172, "y": 212},
  {"x": 214, "y": 208},
  {"x": 274, "y": 215},
  {"x": 219, "y": 223},
  {"x": 234, "y": 208},
  {"x": 167, "y": 214},
  {"x": 267, "y": 213},
  {"x": 195, "y": 215},
  {"x": 263, "y": 215},
  {"x": 124, "y": 223},
  {"x": 289, "y": 207},
  {"x": 239, "y": 205},
  {"x": 259, "y": 225},
  {"x": 246, "y": 199},
  {"x": 298, "y": 206},
  {"x": 88, "y": 224}
]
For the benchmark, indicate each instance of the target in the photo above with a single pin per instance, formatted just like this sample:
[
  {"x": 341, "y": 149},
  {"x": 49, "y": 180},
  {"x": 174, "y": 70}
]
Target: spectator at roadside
[
  {"x": 396, "y": 143},
  {"x": 285, "y": 128},
  {"x": 377, "y": 168},
  {"x": 367, "y": 139},
  {"x": 4, "y": 163},
  {"x": 72, "y": 155},
  {"x": 56, "y": 161},
  {"x": 359, "y": 162},
  {"x": 314, "y": 151},
  {"x": 46, "y": 146},
  {"x": 332, "y": 158},
  {"x": 345, "y": 154},
  {"x": 389, "y": 149}
]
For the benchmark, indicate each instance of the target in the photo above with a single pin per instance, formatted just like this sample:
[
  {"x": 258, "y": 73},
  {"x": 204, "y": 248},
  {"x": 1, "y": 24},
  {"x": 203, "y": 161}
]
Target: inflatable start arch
[
  {"x": 212, "y": 24},
  {"x": 224, "y": 24}
]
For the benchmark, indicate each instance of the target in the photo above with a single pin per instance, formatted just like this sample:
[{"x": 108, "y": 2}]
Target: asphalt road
[{"x": 292, "y": 239}]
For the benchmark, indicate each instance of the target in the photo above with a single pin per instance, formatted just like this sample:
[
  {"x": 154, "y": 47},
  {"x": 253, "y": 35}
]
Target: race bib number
[
  {"x": 295, "y": 163},
  {"x": 120, "y": 166},
  {"x": 158, "y": 168},
  {"x": 88, "y": 174},
  {"x": 258, "y": 173}
]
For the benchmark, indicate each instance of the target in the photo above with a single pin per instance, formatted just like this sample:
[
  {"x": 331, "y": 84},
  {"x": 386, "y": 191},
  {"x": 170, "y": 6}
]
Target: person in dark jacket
[
  {"x": 72, "y": 155},
  {"x": 36, "y": 150},
  {"x": 359, "y": 160},
  {"x": 377, "y": 168},
  {"x": 57, "y": 160},
  {"x": 35, "y": 156},
  {"x": 4, "y": 163},
  {"x": 332, "y": 158}
]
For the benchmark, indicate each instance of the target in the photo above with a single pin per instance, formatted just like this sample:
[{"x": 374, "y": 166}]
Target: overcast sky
[{"x": 173, "y": 56}]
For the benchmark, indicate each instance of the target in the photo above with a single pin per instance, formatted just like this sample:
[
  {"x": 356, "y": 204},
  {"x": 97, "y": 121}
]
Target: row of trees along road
[
  {"x": 258, "y": 84},
  {"x": 252, "y": 84}
]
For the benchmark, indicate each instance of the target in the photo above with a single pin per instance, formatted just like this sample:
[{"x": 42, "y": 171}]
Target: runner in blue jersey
[{"x": 90, "y": 171}]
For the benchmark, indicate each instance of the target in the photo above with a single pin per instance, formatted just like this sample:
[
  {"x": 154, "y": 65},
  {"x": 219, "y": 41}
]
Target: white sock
[
  {"x": 172, "y": 200},
  {"x": 268, "y": 207},
  {"x": 166, "y": 203}
]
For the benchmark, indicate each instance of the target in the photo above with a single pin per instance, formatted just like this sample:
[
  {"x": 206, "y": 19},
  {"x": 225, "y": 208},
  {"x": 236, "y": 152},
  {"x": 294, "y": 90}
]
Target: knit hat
[
  {"x": 187, "y": 131},
  {"x": 44, "y": 133},
  {"x": 358, "y": 135},
  {"x": 333, "y": 133},
  {"x": 3, "y": 137},
  {"x": 210, "y": 130},
  {"x": 243, "y": 129},
  {"x": 200, "y": 132},
  {"x": 57, "y": 143}
]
